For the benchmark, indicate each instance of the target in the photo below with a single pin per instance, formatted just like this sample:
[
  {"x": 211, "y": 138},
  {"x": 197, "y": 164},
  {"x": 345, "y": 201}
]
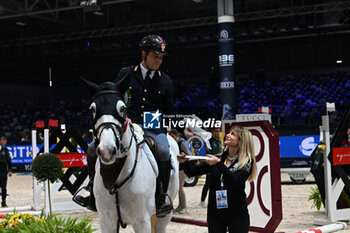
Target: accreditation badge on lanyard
[
  {"x": 221, "y": 199},
  {"x": 221, "y": 196}
]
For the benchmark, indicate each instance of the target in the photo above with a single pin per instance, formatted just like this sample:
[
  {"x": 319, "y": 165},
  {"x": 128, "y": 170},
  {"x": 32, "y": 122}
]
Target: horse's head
[{"x": 108, "y": 119}]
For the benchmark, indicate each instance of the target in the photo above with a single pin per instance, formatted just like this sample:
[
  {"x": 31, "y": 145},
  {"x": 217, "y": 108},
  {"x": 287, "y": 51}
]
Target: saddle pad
[
  {"x": 147, "y": 151},
  {"x": 138, "y": 129}
]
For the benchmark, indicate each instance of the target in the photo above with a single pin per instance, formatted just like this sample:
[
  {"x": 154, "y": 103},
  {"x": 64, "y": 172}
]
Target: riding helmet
[{"x": 153, "y": 43}]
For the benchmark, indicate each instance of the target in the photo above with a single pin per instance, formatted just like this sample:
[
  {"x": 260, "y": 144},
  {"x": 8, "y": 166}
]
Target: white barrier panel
[
  {"x": 60, "y": 200},
  {"x": 333, "y": 188}
]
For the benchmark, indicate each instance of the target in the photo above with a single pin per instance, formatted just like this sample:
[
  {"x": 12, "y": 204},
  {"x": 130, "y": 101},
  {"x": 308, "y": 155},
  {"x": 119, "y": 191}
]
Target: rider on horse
[{"x": 147, "y": 90}]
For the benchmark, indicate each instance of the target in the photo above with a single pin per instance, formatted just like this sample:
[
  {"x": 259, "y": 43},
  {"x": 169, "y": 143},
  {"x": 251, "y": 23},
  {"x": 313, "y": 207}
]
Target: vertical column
[
  {"x": 330, "y": 204},
  {"x": 46, "y": 150},
  {"x": 37, "y": 200},
  {"x": 226, "y": 59}
]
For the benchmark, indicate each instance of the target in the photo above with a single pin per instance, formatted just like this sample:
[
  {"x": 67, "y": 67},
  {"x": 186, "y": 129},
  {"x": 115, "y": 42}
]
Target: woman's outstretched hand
[{"x": 212, "y": 159}]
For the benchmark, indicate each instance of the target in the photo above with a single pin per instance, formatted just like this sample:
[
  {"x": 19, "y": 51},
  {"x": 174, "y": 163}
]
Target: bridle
[{"x": 113, "y": 126}]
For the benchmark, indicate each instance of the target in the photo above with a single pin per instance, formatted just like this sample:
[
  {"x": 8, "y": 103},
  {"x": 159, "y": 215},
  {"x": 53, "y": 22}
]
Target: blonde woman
[{"x": 227, "y": 207}]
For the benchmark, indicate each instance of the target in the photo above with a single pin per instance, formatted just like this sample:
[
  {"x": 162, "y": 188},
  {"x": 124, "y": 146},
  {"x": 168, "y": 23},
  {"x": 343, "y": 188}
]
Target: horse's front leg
[
  {"x": 142, "y": 226},
  {"x": 105, "y": 203},
  {"x": 106, "y": 226}
]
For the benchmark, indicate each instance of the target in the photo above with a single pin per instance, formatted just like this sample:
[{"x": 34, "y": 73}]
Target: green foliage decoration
[
  {"x": 345, "y": 199},
  {"x": 26, "y": 223},
  {"x": 315, "y": 196},
  {"x": 47, "y": 166}
]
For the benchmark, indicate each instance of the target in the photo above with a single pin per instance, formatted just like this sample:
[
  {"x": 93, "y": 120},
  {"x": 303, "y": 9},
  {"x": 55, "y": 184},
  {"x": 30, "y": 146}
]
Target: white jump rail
[{"x": 337, "y": 226}]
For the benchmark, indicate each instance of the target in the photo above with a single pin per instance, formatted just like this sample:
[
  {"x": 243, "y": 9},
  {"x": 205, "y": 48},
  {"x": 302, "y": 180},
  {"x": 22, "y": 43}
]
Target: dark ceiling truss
[
  {"x": 28, "y": 10},
  {"x": 25, "y": 9},
  {"x": 188, "y": 23},
  {"x": 178, "y": 24},
  {"x": 52, "y": 8},
  {"x": 294, "y": 11}
]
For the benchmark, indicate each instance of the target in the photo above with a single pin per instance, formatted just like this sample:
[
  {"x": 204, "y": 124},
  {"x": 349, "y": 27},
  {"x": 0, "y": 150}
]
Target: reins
[{"x": 116, "y": 187}]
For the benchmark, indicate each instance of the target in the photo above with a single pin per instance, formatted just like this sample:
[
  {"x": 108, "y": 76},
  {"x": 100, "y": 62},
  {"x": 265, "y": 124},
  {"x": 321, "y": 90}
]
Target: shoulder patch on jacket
[{"x": 247, "y": 167}]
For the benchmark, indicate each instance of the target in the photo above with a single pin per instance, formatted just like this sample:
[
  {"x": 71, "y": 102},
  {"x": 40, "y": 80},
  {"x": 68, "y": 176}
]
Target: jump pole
[
  {"x": 327, "y": 228},
  {"x": 189, "y": 221}
]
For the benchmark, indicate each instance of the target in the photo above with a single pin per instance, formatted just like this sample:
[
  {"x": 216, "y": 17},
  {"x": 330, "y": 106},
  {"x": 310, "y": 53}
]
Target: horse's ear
[
  {"x": 123, "y": 82},
  {"x": 93, "y": 88}
]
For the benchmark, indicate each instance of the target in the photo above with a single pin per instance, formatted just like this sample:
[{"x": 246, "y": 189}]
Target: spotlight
[
  {"x": 91, "y": 5},
  {"x": 99, "y": 13},
  {"x": 21, "y": 23}
]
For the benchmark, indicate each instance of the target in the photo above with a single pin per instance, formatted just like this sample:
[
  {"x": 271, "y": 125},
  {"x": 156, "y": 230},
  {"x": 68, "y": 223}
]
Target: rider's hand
[
  {"x": 212, "y": 159},
  {"x": 181, "y": 157}
]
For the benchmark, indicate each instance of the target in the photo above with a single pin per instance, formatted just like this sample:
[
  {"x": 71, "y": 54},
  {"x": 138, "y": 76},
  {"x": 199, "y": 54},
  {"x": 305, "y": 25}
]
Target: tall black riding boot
[
  {"x": 89, "y": 201},
  {"x": 162, "y": 207}
]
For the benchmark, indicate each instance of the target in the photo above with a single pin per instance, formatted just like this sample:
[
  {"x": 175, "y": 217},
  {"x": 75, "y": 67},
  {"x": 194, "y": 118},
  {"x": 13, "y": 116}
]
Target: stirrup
[
  {"x": 80, "y": 200},
  {"x": 166, "y": 212}
]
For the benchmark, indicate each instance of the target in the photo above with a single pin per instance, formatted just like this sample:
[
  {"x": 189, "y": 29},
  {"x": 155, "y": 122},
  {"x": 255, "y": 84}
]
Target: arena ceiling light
[
  {"x": 91, "y": 5},
  {"x": 21, "y": 23},
  {"x": 99, "y": 13},
  {"x": 339, "y": 61}
]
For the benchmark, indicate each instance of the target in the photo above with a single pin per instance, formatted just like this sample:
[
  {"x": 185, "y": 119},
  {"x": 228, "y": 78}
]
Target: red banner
[
  {"x": 40, "y": 124},
  {"x": 341, "y": 155},
  {"x": 73, "y": 159},
  {"x": 53, "y": 123}
]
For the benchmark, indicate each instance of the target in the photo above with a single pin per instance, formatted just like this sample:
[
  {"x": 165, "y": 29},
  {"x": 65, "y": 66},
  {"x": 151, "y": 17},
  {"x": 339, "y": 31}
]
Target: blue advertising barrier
[
  {"x": 290, "y": 147},
  {"x": 22, "y": 153},
  {"x": 298, "y": 146}
]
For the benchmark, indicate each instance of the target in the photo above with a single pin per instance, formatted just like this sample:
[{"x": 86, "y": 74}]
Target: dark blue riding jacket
[{"x": 158, "y": 94}]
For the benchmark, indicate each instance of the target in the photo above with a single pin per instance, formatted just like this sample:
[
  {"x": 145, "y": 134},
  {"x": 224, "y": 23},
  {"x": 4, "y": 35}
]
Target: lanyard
[
  {"x": 222, "y": 183},
  {"x": 221, "y": 180}
]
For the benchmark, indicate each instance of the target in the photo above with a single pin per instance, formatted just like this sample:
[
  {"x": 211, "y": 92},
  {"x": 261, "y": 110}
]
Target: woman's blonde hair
[{"x": 246, "y": 149}]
